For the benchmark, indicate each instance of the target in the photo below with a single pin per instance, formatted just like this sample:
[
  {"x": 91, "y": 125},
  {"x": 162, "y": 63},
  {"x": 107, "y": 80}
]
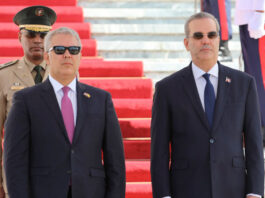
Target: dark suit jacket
[
  {"x": 205, "y": 162},
  {"x": 39, "y": 158}
]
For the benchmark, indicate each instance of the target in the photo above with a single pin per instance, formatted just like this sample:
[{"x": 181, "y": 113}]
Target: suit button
[
  {"x": 72, "y": 151},
  {"x": 212, "y": 140},
  {"x": 69, "y": 172}
]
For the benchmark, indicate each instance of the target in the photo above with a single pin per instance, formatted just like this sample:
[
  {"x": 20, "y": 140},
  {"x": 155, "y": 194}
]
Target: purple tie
[{"x": 68, "y": 113}]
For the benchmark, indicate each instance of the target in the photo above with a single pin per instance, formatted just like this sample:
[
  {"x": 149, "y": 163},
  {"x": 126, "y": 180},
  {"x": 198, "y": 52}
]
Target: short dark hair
[{"x": 200, "y": 15}]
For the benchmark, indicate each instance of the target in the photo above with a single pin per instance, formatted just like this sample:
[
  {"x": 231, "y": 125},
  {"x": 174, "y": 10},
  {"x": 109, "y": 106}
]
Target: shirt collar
[
  {"x": 31, "y": 65},
  {"x": 58, "y": 86},
  {"x": 198, "y": 72}
]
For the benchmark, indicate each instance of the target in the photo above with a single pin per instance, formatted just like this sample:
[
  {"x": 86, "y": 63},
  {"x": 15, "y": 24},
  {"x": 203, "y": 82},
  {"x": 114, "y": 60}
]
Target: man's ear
[
  {"x": 186, "y": 43},
  {"x": 46, "y": 58}
]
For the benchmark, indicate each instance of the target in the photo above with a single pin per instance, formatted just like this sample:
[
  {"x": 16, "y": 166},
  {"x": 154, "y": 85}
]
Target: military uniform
[
  {"x": 251, "y": 29},
  {"x": 15, "y": 76},
  {"x": 18, "y": 74}
]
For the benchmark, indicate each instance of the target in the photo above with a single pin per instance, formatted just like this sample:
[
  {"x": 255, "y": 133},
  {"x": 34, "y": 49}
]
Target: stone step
[
  {"x": 139, "y": 11},
  {"x": 136, "y": 13},
  {"x": 150, "y": 49},
  {"x": 156, "y": 69},
  {"x": 139, "y": 4},
  {"x": 149, "y": 54},
  {"x": 169, "y": 4},
  {"x": 143, "y": 32},
  {"x": 152, "y": 46},
  {"x": 139, "y": 29},
  {"x": 129, "y": 1},
  {"x": 151, "y": 31}
]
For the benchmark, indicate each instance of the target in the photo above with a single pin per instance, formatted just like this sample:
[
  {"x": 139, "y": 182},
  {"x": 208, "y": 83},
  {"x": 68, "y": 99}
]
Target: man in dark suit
[
  {"x": 56, "y": 132},
  {"x": 207, "y": 116}
]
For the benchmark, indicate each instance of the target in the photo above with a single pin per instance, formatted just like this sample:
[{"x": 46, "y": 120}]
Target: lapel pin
[
  {"x": 87, "y": 95},
  {"x": 227, "y": 79}
]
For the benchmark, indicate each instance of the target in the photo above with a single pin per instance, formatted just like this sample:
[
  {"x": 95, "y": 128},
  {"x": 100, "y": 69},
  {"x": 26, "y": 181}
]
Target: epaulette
[{"x": 2, "y": 66}]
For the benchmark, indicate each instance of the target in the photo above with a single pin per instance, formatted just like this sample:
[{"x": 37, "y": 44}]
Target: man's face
[
  {"x": 32, "y": 44},
  {"x": 204, "y": 49},
  {"x": 63, "y": 67}
]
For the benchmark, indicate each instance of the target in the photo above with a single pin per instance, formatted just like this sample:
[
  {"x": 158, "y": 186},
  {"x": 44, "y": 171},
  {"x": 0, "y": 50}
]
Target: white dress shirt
[
  {"x": 200, "y": 84},
  {"x": 57, "y": 87}
]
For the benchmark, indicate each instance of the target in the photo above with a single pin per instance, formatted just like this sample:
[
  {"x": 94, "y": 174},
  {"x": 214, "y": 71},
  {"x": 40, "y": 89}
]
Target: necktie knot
[
  {"x": 206, "y": 76},
  {"x": 38, "y": 77},
  {"x": 65, "y": 90},
  {"x": 38, "y": 68}
]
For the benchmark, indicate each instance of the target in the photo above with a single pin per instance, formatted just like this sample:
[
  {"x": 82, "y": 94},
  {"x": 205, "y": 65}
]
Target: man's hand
[
  {"x": 2, "y": 192},
  {"x": 253, "y": 196}
]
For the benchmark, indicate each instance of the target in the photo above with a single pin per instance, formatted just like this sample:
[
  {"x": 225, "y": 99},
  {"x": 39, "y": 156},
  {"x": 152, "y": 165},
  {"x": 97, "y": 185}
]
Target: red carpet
[
  {"x": 138, "y": 190},
  {"x": 39, "y": 2},
  {"x": 97, "y": 67},
  {"x": 137, "y": 149},
  {"x": 123, "y": 87},
  {"x": 101, "y": 68},
  {"x": 131, "y": 91},
  {"x": 138, "y": 171},
  {"x": 12, "y": 47},
  {"x": 10, "y": 30},
  {"x": 133, "y": 108},
  {"x": 135, "y": 127},
  {"x": 64, "y": 13}
]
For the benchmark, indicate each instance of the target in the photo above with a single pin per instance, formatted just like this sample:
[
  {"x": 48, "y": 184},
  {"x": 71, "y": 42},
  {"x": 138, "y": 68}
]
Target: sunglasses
[
  {"x": 32, "y": 34},
  {"x": 74, "y": 50},
  {"x": 199, "y": 35}
]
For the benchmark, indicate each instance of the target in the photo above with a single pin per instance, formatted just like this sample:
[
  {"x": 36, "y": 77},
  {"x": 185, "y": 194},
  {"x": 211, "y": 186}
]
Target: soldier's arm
[{"x": 3, "y": 105}]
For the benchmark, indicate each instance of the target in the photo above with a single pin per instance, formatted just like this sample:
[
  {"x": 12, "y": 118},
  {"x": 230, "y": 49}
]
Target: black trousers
[{"x": 69, "y": 192}]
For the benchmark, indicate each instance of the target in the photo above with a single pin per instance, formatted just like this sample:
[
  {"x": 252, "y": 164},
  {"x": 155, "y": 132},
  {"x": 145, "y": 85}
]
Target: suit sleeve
[
  {"x": 2, "y": 120},
  {"x": 113, "y": 154},
  {"x": 253, "y": 143},
  {"x": 16, "y": 149},
  {"x": 160, "y": 139}
]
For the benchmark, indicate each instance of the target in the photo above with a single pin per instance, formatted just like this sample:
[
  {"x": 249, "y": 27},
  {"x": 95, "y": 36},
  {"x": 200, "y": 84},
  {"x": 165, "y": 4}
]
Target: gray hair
[
  {"x": 61, "y": 30},
  {"x": 200, "y": 15}
]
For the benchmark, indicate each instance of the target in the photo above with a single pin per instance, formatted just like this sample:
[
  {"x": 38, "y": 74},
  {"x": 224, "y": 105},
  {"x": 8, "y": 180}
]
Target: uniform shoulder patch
[{"x": 2, "y": 66}]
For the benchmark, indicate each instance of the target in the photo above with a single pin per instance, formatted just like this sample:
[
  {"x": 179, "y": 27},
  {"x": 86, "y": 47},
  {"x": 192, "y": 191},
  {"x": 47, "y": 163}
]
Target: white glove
[{"x": 256, "y": 25}]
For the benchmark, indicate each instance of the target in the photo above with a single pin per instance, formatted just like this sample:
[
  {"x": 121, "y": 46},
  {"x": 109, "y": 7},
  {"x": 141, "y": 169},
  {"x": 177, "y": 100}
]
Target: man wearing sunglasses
[
  {"x": 57, "y": 132},
  {"x": 206, "y": 128},
  {"x": 34, "y": 23}
]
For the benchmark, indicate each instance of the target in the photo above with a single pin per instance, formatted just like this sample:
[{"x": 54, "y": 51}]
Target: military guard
[
  {"x": 221, "y": 9},
  {"x": 34, "y": 23},
  {"x": 250, "y": 16}
]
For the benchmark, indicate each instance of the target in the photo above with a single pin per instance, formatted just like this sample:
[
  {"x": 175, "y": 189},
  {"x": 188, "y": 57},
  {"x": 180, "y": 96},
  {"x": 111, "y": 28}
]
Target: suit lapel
[
  {"x": 192, "y": 92},
  {"x": 83, "y": 101},
  {"x": 224, "y": 81},
  {"x": 49, "y": 97}
]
